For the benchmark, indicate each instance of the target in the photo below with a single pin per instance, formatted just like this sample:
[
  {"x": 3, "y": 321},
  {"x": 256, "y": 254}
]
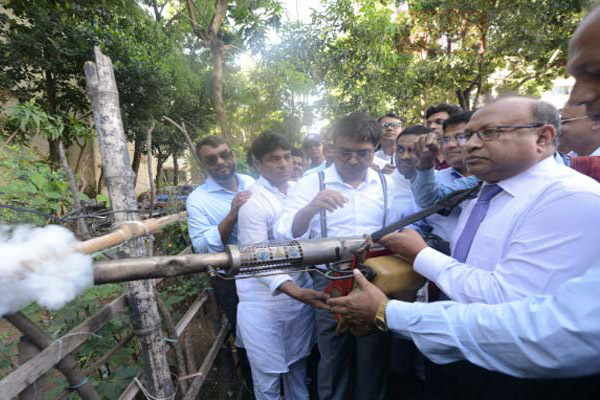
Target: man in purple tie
[
  {"x": 531, "y": 228},
  {"x": 553, "y": 335}
]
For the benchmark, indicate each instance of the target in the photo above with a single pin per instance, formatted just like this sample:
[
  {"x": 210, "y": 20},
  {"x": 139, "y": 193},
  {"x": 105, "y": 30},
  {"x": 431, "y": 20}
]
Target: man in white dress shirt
[
  {"x": 580, "y": 134},
  {"x": 346, "y": 199},
  {"x": 533, "y": 232},
  {"x": 276, "y": 330},
  {"x": 391, "y": 125}
]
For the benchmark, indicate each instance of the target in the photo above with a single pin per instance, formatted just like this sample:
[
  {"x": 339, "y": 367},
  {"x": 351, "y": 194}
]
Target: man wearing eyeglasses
[
  {"x": 391, "y": 125},
  {"x": 531, "y": 228},
  {"x": 213, "y": 210},
  {"x": 555, "y": 335},
  {"x": 580, "y": 135},
  {"x": 346, "y": 199}
]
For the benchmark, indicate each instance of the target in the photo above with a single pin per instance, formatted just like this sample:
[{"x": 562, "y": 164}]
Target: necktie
[{"x": 463, "y": 245}]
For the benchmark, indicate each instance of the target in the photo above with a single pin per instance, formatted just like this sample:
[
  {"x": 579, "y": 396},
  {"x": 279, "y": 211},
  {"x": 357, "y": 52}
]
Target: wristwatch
[{"x": 380, "y": 321}]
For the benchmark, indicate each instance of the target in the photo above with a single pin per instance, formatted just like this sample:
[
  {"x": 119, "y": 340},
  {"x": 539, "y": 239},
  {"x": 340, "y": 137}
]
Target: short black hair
[
  {"x": 462, "y": 118},
  {"x": 358, "y": 126},
  {"x": 212, "y": 141},
  {"x": 451, "y": 109},
  {"x": 268, "y": 141},
  {"x": 415, "y": 130},
  {"x": 296, "y": 152},
  {"x": 391, "y": 114}
]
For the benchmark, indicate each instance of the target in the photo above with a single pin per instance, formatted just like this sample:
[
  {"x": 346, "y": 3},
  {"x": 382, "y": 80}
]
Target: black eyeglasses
[
  {"x": 346, "y": 155},
  {"x": 390, "y": 124},
  {"x": 213, "y": 159},
  {"x": 492, "y": 133}
]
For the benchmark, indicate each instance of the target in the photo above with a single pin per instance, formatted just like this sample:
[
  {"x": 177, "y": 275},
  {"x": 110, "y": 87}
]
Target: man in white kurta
[{"x": 276, "y": 330}]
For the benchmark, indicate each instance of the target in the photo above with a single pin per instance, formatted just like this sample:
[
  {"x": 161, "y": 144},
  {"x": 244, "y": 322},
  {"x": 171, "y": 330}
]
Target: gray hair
[{"x": 547, "y": 114}]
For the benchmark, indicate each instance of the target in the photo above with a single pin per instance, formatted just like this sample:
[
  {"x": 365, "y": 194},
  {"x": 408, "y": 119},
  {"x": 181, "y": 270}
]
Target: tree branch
[
  {"x": 81, "y": 227},
  {"x": 187, "y": 138},
  {"x": 195, "y": 27},
  {"x": 218, "y": 17},
  {"x": 149, "y": 163}
]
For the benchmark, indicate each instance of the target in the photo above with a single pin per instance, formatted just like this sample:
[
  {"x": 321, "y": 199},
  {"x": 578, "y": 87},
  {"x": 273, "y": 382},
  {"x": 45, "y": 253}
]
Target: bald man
[{"x": 552, "y": 335}]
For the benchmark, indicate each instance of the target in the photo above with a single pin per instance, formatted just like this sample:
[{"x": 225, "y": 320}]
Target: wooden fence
[
  {"x": 59, "y": 353},
  {"x": 39, "y": 353}
]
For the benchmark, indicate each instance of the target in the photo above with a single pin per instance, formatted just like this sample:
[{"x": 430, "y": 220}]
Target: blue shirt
[
  {"x": 428, "y": 187},
  {"x": 207, "y": 206},
  {"x": 443, "y": 226}
]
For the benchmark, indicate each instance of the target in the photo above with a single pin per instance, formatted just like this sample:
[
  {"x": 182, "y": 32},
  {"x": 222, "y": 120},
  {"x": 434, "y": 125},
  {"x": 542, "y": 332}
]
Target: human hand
[
  {"x": 360, "y": 306},
  {"x": 388, "y": 169},
  {"x": 426, "y": 149},
  {"x": 314, "y": 298},
  {"x": 328, "y": 200},
  {"x": 311, "y": 297},
  {"x": 406, "y": 243},
  {"x": 238, "y": 201}
]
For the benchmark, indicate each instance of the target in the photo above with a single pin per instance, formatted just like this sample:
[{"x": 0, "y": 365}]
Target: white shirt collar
[
  {"x": 331, "y": 175},
  {"x": 522, "y": 183},
  {"x": 267, "y": 185}
]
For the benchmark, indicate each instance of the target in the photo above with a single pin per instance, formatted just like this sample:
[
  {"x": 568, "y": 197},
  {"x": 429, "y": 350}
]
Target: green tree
[
  {"x": 375, "y": 56},
  {"x": 222, "y": 25}
]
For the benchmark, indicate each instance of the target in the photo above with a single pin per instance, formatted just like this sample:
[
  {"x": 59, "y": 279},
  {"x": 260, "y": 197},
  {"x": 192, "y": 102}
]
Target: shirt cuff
[
  {"x": 396, "y": 316},
  {"x": 430, "y": 262}
]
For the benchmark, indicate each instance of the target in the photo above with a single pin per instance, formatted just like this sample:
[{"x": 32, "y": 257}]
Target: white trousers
[{"x": 267, "y": 386}]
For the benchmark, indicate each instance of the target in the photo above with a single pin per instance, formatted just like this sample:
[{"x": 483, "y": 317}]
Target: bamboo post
[
  {"x": 119, "y": 177},
  {"x": 27, "y": 351},
  {"x": 174, "y": 340},
  {"x": 68, "y": 365},
  {"x": 224, "y": 359}
]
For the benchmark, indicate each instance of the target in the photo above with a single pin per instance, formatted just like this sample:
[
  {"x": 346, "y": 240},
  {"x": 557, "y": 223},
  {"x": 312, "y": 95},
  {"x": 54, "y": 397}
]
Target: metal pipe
[{"x": 235, "y": 261}]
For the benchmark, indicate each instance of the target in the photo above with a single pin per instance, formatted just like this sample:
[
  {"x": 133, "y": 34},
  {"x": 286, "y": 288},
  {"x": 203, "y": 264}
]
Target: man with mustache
[
  {"x": 348, "y": 198},
  {"x": 552, "y": 335},
  {"x": 212, "y": 215}
]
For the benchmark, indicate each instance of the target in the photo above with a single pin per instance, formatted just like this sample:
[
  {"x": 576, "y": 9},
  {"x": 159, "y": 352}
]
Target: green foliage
[
  {"x": 28, "y": 119},
  {"x": 173, "y": 239},
  {"x": 374, "y": 57},
  {"x": 30, "y": 184}
]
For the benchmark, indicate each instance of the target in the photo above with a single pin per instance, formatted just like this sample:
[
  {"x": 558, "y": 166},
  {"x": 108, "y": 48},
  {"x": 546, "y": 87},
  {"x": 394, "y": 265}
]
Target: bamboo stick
[{"x": 128, "y": 231}]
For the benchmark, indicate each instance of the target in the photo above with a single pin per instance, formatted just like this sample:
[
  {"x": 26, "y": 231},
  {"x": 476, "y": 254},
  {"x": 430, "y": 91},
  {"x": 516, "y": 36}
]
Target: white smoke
[{"x": 39, "y": 264}]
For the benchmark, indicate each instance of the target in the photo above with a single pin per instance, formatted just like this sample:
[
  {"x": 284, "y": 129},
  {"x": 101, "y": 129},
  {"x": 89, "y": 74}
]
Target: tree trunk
[
  {"x": 102, "y": 89},
  {"x": 218, "y": 49},
  {"x": 137, "y": 156},
  {"x": 51, "y": 110},
  {"x": 159, "y": 167},
  {"x": 175, "y": 169},
  {"x": 100, "y": 179}
]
